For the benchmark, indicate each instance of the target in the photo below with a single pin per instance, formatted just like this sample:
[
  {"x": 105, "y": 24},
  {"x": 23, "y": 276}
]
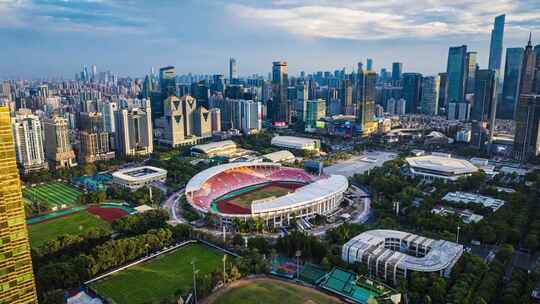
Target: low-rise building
[
  {"x": 465, "y": 215},
  {"x": 438, "y": 167},
  {"x": 473, "y": 198}
]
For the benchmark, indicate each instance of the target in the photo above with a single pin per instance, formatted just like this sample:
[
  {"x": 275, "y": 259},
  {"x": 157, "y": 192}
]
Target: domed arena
[{"x": 269, "y": 191}]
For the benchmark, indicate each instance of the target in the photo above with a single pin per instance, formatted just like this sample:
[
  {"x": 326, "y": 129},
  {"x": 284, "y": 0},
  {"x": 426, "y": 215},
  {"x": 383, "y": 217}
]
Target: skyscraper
[
  {"x": 430, "y": 95},
  {"x": 248, "y": 115},
  {"x": 484, "y": 107},
  {"x": 443, "y": 90},
  {"x": 397, "y": 68},
  {"x": 512, "y": 70},
  {"x": 456, "y": 73},
  {"x": 167, "y": 81},
  {"x": 177, "y": 120},
  {"x": 279, "y": 106},
  {"x": 369, "y": 64},
  {"x": 58, "y": 149},
  {"x": 134, "y": 131},
  {"x": 471, "y": 72},
  {"x": 16, "y": 279},
  {"x": 496, "y": 45},
  {"x": 233, "y": 70},
  {"x": 412, "y": 83},
  {"x": 316, "y": 109},
  {"x": 94, "y": 140},
  {"x": 346, "y": 97},
  {"x": 27, "y": 134},
  {"x": 527, "y": 114},
  {"x": 527, "y": 119},
  {"x": 366, "y": 99}
]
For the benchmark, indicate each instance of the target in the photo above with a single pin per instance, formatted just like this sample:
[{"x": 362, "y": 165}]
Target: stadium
[{"x": 269, "y": 191}]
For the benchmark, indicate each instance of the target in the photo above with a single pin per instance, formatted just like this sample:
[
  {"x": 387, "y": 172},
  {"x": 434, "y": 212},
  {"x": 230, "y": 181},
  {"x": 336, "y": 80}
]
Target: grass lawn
[
  {"x": 52, "y": 194},
  {"x": 159, "y": 278},
  {"x": 245, "y": 200},
  {"x": 272, "y": 292},
  {"x": 77, "y": 223}
]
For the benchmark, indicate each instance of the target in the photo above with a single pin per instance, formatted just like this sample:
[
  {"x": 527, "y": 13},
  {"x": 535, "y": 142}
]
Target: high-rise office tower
[
  {"x": 216, "y": 119},
  {"x": 134, "y": 131},
  {"x": 167, "y": 80},
  {"x": 202, "y": 122},
  {"x": 537, "y": 77},
  {"x": 346, "y": 97},
  {"x": 412, "y": 84},
  {"x": 456, "y": 71},
  {"x": 247, "y": 115},
  {"x": 430, "y": 95},
  {"x": 148, "y": 87},
  {"x": 177, "y": 120},
  {"x": 496, "y": 45},
  {"x": 94, "y": 140},
  {"x": 527, "y": 119},
  {"x": 278, "y": 109},
  {"x": 233, "y": 70},
  {"x": 369, "y": 65},
  {"x": 484, "y": 107},
  {"x": 108, "y": 111},
  {"x": 527, "y": 114},
  {"x": 58, "y": 149},
  {"x": 443, "y": 90},
  {"x": 512, "y": 70},
  {"x": 218, "y": 83},
  {"x": 27, "y": 134},
  {"x": 366, "y": 92},
  {"x": 302, "y": 95},
  {"x": 528, "y": 70},
  {"x": 94, "y": 72},
  {"x": 316, "y": 109},
  {"x": 17, "y": 278},
  {"x": 397, "y": 69},
  {"x": 472, "y": 65}
]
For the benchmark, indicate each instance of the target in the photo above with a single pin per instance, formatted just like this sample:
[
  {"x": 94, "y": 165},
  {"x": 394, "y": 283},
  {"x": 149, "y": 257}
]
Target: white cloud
[{"x": 383, "y": 19}]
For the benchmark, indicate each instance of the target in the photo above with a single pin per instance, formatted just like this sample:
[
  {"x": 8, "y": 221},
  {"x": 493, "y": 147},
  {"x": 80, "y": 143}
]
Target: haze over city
[{"x": 53, "y": 38}]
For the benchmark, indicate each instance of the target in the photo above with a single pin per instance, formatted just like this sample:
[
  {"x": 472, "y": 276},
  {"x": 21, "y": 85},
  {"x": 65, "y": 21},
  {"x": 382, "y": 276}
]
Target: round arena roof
[{"x": 442, "y": 164}]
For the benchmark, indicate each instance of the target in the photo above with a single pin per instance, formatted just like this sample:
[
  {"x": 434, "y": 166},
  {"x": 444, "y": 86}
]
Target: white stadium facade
[
  {"x": 134, "y": 178},
  {"x": 392, "y": 255},
  {"x": 213, "y": 191}
]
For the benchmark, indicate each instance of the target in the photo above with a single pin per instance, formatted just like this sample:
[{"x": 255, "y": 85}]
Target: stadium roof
[
  {"x": 292, "y": 141},
  {"x": 441, "y": 255},
  {"x": 207, "y": 148},
  {"x": 315, "y": 191},
  {"x": 279, "y": 156},
  {"x": 196, "y": 182},
  {"x": 442, "y": 164},
  {"x": 147, "y": 172}
]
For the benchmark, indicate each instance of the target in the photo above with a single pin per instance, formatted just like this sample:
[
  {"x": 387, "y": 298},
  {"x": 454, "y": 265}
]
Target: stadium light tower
[
  {"x": 298, "y": 254},
  {"x": 195, "y": 271}
]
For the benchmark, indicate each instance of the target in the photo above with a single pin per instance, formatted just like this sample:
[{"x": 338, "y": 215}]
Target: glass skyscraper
[
  {"x": 456, "y": 73},
  {"x": 512, "y": 70},
  {"x": 496, "y": 45},
  {"x": 16, "y": 275},
  {"x": 411, "y": 92}
]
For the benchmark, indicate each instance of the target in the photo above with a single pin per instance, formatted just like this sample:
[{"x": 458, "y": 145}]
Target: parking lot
[{"x": 360, "y": 164}]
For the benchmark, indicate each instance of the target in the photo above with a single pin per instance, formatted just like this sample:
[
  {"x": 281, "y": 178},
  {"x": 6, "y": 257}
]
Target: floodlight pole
[
  {"x": 194, "y": 282},
  {"x": 457, "y": 235}
]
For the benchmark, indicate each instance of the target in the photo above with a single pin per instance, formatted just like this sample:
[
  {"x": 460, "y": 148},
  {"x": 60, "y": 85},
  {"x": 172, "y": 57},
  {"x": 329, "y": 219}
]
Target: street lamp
[
  {"x": 298, "y": 254},
  {"x": 457, "y": 234}
]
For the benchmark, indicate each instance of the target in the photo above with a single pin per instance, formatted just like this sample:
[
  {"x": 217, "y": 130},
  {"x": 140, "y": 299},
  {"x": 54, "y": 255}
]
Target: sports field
[
  {"x": 160, "y": 278},
  {"x": 245, "y": 200},
  {"x": 54, "y": 194},
  {"x": 270, "y": 291},
  {"x": 77, "y": 223}
]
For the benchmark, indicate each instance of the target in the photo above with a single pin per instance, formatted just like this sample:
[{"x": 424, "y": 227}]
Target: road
[{"x": 171, "y": 205}]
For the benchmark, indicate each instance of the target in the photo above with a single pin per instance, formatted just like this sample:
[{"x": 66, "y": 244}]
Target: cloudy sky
[{"x": 43, "y": 38}]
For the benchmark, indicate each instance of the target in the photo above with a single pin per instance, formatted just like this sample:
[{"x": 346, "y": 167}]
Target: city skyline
[{"x": 130, "y": 39}]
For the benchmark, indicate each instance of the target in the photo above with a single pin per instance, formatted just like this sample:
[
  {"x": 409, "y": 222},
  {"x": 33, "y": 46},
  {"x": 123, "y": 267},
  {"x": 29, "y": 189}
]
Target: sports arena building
[
  {"x": 392, "y": 255},
  {"x": 269, "y": 191},
  {"x": 436, "y": 167},
  {"x": 135, "y": 178}
]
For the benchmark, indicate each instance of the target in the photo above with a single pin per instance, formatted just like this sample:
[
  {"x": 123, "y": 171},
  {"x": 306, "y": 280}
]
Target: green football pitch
[
  {"x": 159, "y": 278},
  {"x": 74, "y": 224},
  {"x": 245, "y": 200},
  {"x": 52, "y": 194},
  {"x": 270, "y": 291}
]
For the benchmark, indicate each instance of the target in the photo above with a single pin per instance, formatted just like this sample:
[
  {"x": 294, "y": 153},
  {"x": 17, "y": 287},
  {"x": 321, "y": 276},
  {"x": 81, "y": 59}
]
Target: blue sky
[{"x": 43, "y": 38}]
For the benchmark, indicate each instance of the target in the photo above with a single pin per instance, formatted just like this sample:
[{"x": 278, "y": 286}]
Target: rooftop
[
  {"x": 293, "y": 140},
  {"x": 134, "y": 174},
  {"x": 442, "y": 164},
  {"x": 215, "y": 145}
]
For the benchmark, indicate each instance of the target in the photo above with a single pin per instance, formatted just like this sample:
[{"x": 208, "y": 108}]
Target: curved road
[{"x": 171, "y": 205}]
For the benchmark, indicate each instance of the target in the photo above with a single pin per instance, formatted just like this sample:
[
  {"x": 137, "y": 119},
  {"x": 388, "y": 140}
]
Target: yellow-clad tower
[{"x": 16, "y": 275}]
